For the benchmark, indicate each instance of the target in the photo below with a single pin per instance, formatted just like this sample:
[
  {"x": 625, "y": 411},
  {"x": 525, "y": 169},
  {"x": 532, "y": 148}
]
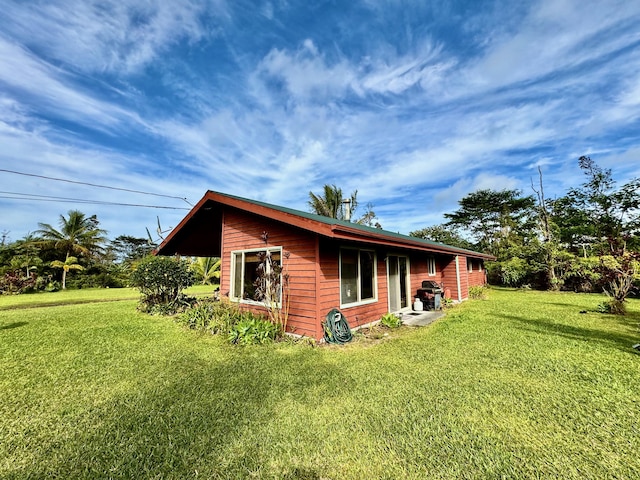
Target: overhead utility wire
[
  {"x": 44, "y": 198},
  {"x": 95, "y": 185}
]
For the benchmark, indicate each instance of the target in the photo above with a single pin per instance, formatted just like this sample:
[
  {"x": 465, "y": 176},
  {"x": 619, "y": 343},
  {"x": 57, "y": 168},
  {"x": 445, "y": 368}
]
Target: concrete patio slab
[{"x": 420, "y": 319}]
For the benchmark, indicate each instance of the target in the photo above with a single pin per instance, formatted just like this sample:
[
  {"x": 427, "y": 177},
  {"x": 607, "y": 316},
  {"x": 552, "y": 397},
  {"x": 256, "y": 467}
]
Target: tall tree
[
  {"x": 78, "y": 234},
  {"x": 330, "y": 203},
  {"x": 448, "y": 235},
  {"x": 493, "y": 218},
  {"x": 549, "y": 248},
  {"x": 128, "y": 249},
  {"x": 611, "y": 219}
]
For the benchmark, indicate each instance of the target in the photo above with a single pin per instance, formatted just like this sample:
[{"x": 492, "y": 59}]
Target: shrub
[
  {"x": 478, "y": 292},
  {"x": 15, "y": 282},
  {"x": 211, "y": 316},
  {"x": 254, "y": 330},
  {"x": 161, "y": 281},
  {"x": 390, "y": 320}
]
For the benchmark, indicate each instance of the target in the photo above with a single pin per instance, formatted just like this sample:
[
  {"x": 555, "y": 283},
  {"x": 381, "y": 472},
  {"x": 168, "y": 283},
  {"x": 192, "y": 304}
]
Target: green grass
[
  {"x": 521, "y": 385},
  {"x": 88, "y": 295}
]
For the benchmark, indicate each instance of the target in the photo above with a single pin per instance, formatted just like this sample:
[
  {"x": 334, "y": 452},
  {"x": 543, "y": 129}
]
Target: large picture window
[
  {"x": 246, "y": 277},
  {"x": 357, "y": 276}
]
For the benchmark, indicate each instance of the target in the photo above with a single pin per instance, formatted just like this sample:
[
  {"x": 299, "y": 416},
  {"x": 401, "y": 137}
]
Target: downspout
[{"x": 458, "y": 279}]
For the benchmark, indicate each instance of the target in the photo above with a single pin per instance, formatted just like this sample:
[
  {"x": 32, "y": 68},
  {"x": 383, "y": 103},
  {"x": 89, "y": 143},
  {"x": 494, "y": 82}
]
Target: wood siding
[
  {"x": 450, "y": 279},
  {"x": 478, "y": 274},
  {"x": 329, "y": 292},
  {"x": 242, "y": 231},
  {"x": 314, "y": 276}
]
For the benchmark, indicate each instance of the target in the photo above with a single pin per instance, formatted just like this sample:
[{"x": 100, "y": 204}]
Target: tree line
[
  {"x": 584, "y": 240},
  {"x": 44, "y": 260}
]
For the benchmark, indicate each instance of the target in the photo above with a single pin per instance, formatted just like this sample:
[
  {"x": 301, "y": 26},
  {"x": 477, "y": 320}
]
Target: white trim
[
  {"x": 366, "y": 301},
  {"x": 407, "y": 280},
  {"x": 232, "y": 292},
  {"x": 458, "y": 278},
  {"x": 431, "y": 260}
]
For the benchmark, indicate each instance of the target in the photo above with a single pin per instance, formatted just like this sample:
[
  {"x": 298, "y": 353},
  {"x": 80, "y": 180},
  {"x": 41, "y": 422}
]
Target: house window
[
  {"x": 245, "y": 281},
  {"x": 469, "y": 265},
  {"x": 431, "y": 266},
  {"x": 357, "y": 276},
  {"x": 479, "y": 265}
]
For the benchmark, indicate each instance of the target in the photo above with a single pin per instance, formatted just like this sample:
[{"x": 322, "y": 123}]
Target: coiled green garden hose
[{"x": 336, "y": 328}]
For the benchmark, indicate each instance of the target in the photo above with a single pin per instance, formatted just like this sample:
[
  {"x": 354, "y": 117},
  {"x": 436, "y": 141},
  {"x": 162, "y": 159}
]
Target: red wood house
[{"x": 363, "y": 271}]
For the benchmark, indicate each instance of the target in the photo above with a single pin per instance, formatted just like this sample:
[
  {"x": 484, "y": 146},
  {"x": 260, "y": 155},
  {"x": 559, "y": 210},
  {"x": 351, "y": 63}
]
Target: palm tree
[
  {"x": 78, "y": 234},
  {"x": 330, "y": 204},
  {"x": 70, "y": 263},
  {"x": 207, "y": 268}
]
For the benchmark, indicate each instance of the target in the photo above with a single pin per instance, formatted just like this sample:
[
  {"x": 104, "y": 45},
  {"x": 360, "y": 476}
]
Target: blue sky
[{"x": 414, "y": 104}]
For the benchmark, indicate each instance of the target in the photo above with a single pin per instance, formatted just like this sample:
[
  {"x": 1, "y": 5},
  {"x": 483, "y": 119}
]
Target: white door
[{"x": 398, "y": 270}]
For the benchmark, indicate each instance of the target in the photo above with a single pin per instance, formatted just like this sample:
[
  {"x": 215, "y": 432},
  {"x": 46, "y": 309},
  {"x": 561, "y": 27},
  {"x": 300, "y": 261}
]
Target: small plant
[
  {"x": 612, "y": 307},
  {"x": 478, "y": 292},
  {"x": 253, "y": 330},
  {"x": 272, "y": 287},
  {"x": 446, "y": 302},
  {"x": 390, "y": 320},
  {"x": 211, "y": 316}
]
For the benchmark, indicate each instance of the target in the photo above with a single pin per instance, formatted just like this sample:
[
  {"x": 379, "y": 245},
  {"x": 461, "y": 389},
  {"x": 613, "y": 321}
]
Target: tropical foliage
[
  {"x": 586, "y": 240},
  {"x": 78, "y": 234},
  {"x": 161, "y": 280},
  {"x": 331, "y": 203},
  {"x": 206, "y": 269},
  {"x": 70, "y": 263}
]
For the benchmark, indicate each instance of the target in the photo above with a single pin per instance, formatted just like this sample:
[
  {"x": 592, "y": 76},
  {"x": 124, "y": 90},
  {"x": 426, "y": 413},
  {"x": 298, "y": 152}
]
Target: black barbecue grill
[{"x": 430, "y": 295}]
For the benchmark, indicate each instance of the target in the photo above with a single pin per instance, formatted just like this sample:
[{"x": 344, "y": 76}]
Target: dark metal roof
[{"x": 204, "y": 220}]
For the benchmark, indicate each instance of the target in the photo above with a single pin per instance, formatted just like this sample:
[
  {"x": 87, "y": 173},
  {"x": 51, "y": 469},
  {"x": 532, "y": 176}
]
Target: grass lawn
[
  {"x": 521, "y": 385},
  {"x": 88, "y": 295}
]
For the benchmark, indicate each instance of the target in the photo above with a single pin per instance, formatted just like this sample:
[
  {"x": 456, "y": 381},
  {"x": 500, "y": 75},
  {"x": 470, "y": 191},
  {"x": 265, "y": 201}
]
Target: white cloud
[
  {"x": 306, "y": 73},
  {"x": 552, "y": 38},
  {"x": 52, "y": 90},
  {"x": 110, "y": 35}
]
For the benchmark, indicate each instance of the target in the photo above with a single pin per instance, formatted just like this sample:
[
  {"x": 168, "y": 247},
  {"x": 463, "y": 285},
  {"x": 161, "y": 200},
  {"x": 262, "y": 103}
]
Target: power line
[
  {"x": 44, "y": 198},
  {"x": 96, "y": 185}
]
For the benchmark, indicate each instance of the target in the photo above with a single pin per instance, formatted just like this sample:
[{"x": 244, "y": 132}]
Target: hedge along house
[{"x": 363, "y": 271}]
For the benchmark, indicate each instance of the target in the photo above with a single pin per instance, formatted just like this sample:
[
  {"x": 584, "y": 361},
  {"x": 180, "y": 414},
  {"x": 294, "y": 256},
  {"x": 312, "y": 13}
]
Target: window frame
[
  {"x": 431, "y": 266},
  {"x": 469, "y": 265},
  {"x": 374, "y": 275},
  {"x": 232, "y": 293}
]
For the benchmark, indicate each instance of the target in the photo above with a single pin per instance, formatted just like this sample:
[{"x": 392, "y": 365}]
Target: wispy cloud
[
  {"x": 111, "y": 36},
  {"x": 412, "y": 105}
]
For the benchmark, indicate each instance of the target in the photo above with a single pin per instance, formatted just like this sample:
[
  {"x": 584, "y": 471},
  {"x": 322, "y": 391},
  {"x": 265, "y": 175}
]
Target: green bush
[
  {"x": 255, "y": 330},
  {"x": 212, "y": 316},
  {"x": 390, "y": 320},
  {"x": 478, "y": 292},
  {"x": 161, "y": 281}
]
